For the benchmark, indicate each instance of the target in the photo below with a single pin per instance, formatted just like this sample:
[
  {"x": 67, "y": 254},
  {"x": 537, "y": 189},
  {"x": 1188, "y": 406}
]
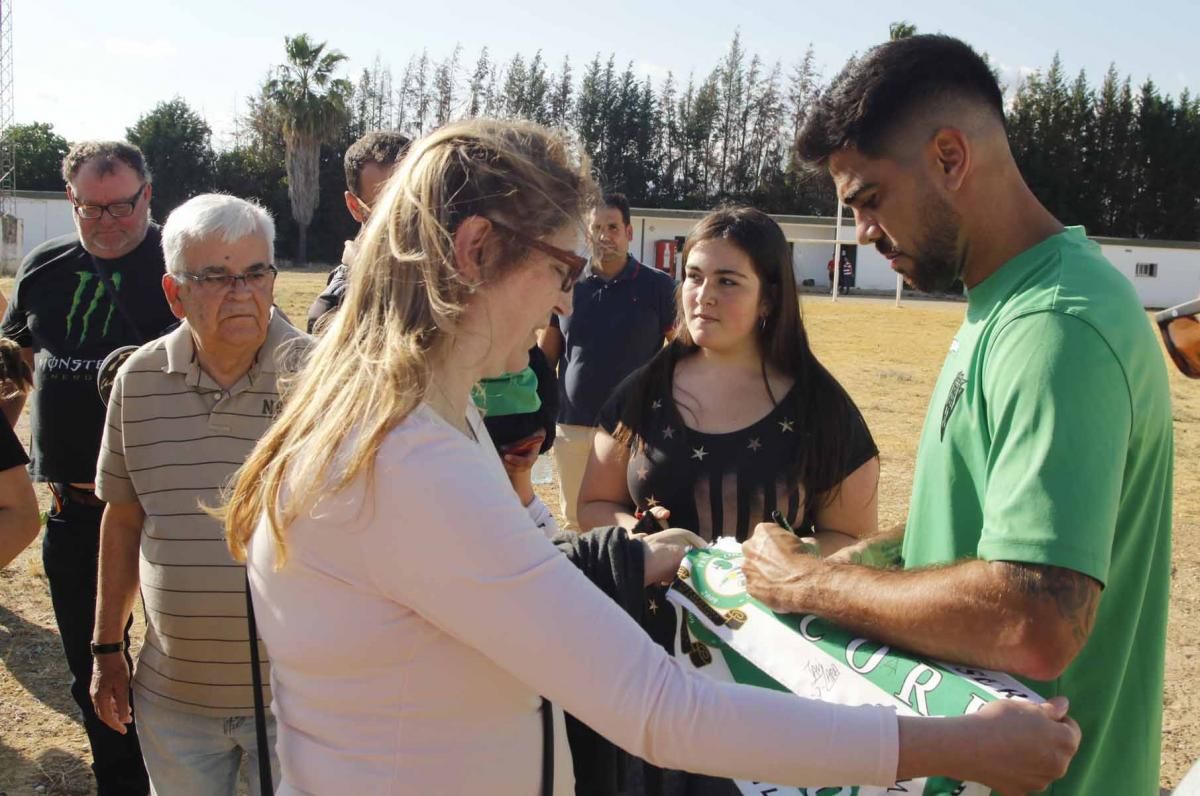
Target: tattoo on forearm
[
  {"x": 1075, "y": 596},
  {"x": 882, "y": 554}
]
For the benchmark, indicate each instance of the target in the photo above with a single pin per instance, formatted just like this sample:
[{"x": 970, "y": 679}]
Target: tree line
[{"x": 1123, "y": 161}]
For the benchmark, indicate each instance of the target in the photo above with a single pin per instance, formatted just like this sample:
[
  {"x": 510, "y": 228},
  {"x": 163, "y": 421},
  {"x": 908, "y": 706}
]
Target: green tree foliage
[
  {"x": 373, "y": 107},
  {"x": 444, "y": 81},
  {"x": 312, "y": 109},
  {"x": 477, "y": 89},
  {"x": 561, "y": 100},
  {"x": 38, "y": 153},
  {"x": 177, "y": 144},
  {"x": 1120, "y": 159}
]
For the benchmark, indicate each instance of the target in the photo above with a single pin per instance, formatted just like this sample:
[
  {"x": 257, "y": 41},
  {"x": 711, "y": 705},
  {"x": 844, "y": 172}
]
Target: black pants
[{"x": 71, "y": 555}]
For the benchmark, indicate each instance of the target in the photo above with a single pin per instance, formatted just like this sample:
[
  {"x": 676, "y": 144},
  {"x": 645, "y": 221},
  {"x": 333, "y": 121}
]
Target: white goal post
[{"x": 838, "y": 242}]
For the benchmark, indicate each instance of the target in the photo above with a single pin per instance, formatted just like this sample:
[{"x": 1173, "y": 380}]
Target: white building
[
  {"x": 1163, "y": 272},
  {"x": 44, "y": 215}
]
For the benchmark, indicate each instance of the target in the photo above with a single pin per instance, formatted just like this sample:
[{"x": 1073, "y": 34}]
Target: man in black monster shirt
[{"x": 77, "y": 298}]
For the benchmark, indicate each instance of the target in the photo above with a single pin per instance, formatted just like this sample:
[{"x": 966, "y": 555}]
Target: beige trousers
[{"x": 572, "y": 446}]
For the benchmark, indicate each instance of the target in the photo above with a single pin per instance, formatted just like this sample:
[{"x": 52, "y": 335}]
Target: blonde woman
[{"x": 414, "y": 612}]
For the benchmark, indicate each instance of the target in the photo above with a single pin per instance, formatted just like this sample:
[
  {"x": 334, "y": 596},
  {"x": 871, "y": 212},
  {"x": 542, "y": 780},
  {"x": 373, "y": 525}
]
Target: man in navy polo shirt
[{"x": 622, "y": 312}]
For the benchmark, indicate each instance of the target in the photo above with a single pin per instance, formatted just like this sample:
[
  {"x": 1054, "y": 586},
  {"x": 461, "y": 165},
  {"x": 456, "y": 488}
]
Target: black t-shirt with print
[
  {"x": 61, "y": 308},
  {"x": 724, "y": 484},
  {"x": 12, "y": 454}
]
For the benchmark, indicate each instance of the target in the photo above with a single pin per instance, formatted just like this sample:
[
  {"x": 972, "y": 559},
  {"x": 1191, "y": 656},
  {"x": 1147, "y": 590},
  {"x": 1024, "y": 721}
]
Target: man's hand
[
  {"x": 110, "y": 690},
  {"x": 664, "y": 550},
  {"x": 779, "y": 567}
]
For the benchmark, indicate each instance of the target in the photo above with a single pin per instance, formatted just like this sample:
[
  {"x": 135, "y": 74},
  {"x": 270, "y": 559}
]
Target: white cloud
[
  {"x": 1011, "y": 77},
  {"x": 140, "y": 49},
  {"x": 656, "y": 72}
]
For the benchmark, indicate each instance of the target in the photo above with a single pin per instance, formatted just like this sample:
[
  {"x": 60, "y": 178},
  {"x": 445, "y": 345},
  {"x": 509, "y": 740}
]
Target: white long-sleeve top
[
  {"x": 418, "y": 618},
  {"x": 542, "y": 517}
]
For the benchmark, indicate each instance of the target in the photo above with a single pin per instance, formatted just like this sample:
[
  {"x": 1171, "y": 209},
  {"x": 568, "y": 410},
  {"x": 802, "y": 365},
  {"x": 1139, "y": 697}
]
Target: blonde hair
[{"x": 372, "y": 366}]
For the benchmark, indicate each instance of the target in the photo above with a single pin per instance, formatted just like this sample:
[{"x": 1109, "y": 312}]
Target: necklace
[{"x": 445, "y": 409}]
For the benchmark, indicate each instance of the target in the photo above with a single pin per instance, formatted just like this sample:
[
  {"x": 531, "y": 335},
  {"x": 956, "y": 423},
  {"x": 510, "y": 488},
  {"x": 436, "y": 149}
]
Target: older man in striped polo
[{"x": 184, "y": 413}]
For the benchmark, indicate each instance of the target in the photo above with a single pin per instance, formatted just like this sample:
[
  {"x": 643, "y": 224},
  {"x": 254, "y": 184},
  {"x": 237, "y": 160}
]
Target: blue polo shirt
[{"x": 616, "y": 326}]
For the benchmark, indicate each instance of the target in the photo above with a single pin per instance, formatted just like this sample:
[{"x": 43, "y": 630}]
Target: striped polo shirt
[{"x": 172, "y": 441}]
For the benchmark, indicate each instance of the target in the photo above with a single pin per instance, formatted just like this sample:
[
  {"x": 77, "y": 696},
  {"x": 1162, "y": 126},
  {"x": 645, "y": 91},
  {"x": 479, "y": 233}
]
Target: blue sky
[{"x": 91, "y": 68}]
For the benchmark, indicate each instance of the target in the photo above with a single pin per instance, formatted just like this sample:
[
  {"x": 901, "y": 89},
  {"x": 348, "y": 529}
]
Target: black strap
[
  {"x": 547, "y": 748},
  {"x": 116, "y": 299},
  {"x": 260, "y": 711}
]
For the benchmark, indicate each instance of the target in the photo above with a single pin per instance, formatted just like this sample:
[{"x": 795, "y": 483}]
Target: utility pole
[{"x": 10, "y": 226}]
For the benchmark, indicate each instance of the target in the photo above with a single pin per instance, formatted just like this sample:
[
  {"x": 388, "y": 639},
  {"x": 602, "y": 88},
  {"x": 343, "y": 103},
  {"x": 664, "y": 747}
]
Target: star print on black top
[{"x": 724, "y": 484}]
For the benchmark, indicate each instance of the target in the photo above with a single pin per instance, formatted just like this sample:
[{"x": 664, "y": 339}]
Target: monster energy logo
[{"x": 98, "y": 290}]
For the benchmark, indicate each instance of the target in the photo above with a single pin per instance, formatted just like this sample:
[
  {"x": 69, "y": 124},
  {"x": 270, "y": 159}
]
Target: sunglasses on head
[{"x": 1181, "y": 334}]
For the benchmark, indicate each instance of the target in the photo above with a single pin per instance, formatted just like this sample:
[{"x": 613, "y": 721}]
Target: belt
[{"x": 66, "y": 493}]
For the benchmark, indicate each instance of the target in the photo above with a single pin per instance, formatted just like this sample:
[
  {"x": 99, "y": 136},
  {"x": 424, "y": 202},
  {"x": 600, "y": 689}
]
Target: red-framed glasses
[{"x": 574, "y": 262}]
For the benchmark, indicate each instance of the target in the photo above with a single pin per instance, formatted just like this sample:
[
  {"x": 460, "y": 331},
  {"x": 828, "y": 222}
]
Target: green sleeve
[{"x": 1059, "y": 419}]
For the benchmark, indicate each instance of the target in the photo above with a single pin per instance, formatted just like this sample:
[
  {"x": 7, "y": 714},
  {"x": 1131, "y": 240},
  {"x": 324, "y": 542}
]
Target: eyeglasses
[
  {"x": 120, "y": 209},
  {"x": 1181, "y": 334},
  {"x": 257, "y": 277},
  {"x": 574, "y": 263}
]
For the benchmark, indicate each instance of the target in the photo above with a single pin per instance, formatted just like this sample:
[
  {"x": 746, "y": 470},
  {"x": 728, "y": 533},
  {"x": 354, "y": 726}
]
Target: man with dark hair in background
[
  {"x": 369, "y": 162},
  {"x": 622, "y": 312},
  {"x": 1038, "y": 539},
  {"x": 77, "y": 298}
]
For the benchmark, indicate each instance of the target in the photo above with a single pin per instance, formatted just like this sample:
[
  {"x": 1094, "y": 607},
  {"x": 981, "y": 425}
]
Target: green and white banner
[{"x": 726, "y": 634}]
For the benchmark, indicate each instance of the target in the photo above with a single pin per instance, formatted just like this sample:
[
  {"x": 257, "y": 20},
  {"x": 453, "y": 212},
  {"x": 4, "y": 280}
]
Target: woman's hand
[
  {"x": 1024, "y": 747},
  {"x": 650, "y": 521},
  {"x": 1011, "y": 746},
  {"x": 663, "y": 552},
  {"x": 522, "y": 455}
]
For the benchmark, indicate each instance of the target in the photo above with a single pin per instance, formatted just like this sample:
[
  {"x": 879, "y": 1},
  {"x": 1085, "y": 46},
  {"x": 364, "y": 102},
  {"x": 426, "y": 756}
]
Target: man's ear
[
  {"x": 469, "y": 248},
  {"x": 171, "y": 291},
  {"x": 353, "y": 206},
  {"x": 951, "y": 151}
]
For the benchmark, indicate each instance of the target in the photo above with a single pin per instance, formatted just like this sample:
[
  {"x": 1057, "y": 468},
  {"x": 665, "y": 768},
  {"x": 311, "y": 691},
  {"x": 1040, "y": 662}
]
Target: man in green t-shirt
[{"x": 1039, "y": 533}]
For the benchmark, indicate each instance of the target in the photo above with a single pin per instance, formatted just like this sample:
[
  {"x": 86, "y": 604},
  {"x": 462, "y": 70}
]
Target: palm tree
[{"x": 312, "y": 108}]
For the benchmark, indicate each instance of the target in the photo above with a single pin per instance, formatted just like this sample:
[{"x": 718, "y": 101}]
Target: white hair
[{"x": 213, "y": 214}]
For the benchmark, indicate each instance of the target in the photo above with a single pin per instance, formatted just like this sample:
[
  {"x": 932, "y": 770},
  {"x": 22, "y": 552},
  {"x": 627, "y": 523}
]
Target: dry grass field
[{"x": 887, "y": 358}]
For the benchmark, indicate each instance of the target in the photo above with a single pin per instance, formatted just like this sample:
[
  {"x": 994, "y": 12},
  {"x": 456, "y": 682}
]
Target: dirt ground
[{"x": 887, "y": 358}]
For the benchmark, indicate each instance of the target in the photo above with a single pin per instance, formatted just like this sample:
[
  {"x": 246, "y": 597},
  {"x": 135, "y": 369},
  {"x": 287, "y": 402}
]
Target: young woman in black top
[
  {"x": 733, "y": 420},
  {"x": 736, "y": 417}
]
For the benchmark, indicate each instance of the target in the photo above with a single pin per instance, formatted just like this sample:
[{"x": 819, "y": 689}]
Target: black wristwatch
[{"x": 106, "y": 649}]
